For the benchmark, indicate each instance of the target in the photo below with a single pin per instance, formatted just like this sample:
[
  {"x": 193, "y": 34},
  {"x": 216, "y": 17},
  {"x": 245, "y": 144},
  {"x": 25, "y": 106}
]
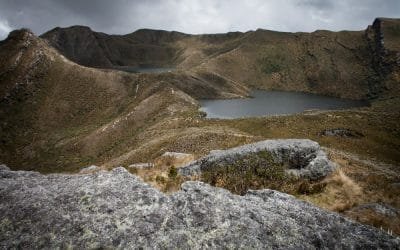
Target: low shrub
[
  {"x": 160, "y": 179},
  {"x": 258, "y": 171},
  {"x": 255, "y": 171},
  {"x": 172, "y": 172},
  {"x": 308, "y": 188}
]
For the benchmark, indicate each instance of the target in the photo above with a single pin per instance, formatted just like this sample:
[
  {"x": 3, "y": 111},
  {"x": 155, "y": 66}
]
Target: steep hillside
[
  {"x": 56, "y": 115},
  {"x": 322, "y": 62},
  {"x": 346, "y": 64}
]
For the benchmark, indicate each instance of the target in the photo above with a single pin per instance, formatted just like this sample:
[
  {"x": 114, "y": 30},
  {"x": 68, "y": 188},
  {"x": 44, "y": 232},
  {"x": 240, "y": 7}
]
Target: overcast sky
[{"x": 193, "y": 16}]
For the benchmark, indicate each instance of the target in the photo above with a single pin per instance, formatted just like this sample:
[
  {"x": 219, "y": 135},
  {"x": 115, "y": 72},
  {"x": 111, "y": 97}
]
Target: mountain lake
[{"x": 269, "y": 103}]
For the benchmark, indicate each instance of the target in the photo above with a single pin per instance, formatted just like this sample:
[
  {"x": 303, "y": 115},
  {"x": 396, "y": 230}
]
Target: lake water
[
  {"x": 142, "y": 69},
  {"x": 267, "y": 103}
]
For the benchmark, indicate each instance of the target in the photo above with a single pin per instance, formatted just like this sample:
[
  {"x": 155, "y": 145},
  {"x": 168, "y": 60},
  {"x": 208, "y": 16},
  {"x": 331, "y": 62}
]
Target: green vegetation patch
[
  {"x": 257, "y": 171},
  {"x": 274, "y": 60},
  {"x": 269, "y": 65},
  {"x": 393, "y": 31}
]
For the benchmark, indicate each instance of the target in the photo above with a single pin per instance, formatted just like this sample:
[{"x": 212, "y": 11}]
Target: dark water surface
[
  {"x": 267, "y": 103},
  {"x": 142, "y": 69}
]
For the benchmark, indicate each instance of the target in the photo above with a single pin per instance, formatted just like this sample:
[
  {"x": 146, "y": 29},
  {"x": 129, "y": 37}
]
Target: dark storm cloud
[{"x": 193, "y": 16}]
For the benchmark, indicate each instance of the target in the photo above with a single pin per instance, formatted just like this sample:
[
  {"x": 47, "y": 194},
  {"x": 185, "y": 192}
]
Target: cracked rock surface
[{"x": 117, "y": 210}]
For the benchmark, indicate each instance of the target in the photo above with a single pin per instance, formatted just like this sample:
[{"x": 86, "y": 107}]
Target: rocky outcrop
[
  {"x": 380, "y": 215},
  {"x": 381, "y": 208},
  {"x": 342, "y": 132},
  {"x": 89, "y": 169},
  {"x": 383, "y": 36},
  {"x": 142, "y": 165},
  {"x": 117, "y": 210},
  {"x": 302, "y": 157},
  {"x": 4, "y": 167}
]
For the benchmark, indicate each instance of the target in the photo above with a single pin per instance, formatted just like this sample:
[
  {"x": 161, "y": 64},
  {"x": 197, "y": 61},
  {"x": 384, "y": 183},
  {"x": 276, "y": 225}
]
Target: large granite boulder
[
  {"x": 117, "y": 210},
  {"x": 303, "y": 157}
]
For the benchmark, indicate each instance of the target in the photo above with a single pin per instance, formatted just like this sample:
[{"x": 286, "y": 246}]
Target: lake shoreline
[{"x": 263, "y": 103}]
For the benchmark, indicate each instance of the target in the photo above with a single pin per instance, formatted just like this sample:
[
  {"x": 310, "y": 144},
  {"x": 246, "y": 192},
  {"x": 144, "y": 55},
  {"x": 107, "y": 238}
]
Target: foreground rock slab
[
  {"x": 303, "y": 157},
  {"x": 117, "y": 210}
]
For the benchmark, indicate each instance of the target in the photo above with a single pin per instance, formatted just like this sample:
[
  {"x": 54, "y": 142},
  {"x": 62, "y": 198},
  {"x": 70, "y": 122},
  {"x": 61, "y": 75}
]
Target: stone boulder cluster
[
  {"x": 303, "y": 158},
  {"x": 115, "y": 209}
]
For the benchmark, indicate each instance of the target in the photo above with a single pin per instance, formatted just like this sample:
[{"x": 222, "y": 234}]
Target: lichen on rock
[{"x": 117, "y": 210}]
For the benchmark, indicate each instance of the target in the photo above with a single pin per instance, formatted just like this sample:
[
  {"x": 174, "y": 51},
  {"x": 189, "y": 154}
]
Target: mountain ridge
[{"x": 325, "y": 62}]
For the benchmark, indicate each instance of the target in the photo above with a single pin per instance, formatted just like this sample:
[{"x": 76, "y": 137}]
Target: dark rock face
[
  {"x": 383, "y": 209},
  {"x": 89, "y": 50},
  {"x": 342, "y": 132},
  {"x": 303, "y": 157},
  {"x": 379, "y": 215},
  {"x": 86, "y": 47},
  {"x": 117, "y": 210},
  {"x": 383, "y": 36}
]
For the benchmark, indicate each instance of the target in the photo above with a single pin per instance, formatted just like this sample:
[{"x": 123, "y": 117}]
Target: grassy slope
[
  {"x": 378, "y": 124},
  {"x": 65, "y": 105}
]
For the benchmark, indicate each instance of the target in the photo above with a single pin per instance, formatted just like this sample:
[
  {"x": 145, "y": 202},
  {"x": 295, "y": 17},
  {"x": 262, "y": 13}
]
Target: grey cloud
[
  {"x": 318, "y": 4},
  {"x": 193, "y": 16}
]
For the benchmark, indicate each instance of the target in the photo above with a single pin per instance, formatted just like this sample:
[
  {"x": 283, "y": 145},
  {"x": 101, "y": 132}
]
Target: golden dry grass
[
  {"x": 163, "y": 174},
  {"x": 173, "y": 160},
  {"x": 340, "y": 194},
  {"x": 355, "y": 183}
]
